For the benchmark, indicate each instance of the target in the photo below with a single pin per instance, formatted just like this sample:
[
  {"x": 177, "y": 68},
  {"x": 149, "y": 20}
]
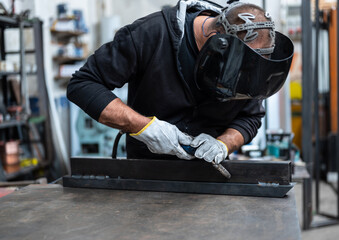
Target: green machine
[{"x": 96, "y": 139}]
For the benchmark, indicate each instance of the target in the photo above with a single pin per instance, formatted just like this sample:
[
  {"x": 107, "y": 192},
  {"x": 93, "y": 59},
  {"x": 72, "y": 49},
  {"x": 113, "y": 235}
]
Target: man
[{"x": 173, "y": 98}]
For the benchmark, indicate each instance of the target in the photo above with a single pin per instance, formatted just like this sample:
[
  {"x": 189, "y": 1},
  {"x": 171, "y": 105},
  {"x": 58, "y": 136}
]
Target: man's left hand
[{"x": 209, "y": 148}]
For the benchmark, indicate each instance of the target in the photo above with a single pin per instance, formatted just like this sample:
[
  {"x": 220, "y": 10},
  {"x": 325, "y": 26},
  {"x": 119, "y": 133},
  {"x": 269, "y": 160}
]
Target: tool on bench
[{"x": 191, "y": 150}]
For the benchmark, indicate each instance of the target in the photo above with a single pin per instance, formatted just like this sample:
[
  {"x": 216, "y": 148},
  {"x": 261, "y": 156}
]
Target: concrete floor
[{"x": 328, "y": 205}]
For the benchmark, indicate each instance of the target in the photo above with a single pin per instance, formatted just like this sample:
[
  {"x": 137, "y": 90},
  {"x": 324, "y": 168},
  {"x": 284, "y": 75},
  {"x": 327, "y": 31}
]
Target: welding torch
[{"x": 191, "y": 150}]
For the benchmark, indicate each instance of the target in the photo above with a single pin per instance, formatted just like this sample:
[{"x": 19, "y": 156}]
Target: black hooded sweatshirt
[{"x": 145, "y": 54}]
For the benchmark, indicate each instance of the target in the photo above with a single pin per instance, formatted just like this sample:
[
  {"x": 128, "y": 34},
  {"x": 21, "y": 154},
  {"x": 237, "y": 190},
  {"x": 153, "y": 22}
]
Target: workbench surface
[{"x": 53, "y": 212}]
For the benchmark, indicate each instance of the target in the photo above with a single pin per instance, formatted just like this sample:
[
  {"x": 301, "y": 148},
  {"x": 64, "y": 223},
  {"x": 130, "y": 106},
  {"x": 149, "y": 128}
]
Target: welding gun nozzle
[{"x": 222, "y": 170}]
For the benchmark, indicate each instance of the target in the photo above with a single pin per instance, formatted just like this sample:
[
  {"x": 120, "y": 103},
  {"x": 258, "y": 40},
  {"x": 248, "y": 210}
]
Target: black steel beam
[
  {"x": 241, "y": 189},
  {"x": 249, "y": 178},
  {"x": 249, "y": 172},
  {"x": 43, "y": 95}
]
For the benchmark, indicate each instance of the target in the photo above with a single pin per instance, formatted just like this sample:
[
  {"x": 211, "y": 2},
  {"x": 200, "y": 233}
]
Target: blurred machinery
[
  {"x": 279, "y": 145},
  {"x": 96, "y": 139},
  {"x": 91, "y": 138},
  {"x": 320, "y": 106}
]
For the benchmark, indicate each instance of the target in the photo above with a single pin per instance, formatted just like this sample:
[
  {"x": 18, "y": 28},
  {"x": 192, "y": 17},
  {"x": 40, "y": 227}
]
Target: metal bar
[
  {"x": 316, "y": 107},
  {"x": 337, "y": 139},
  {"x": 2, "y": 174},
  {"x": 3, "y": 78},
  {"x": 24, "y": 85},
  {"x": 18, "y": 52},
  {"x": 2, "y": 44},
  {"x": 266, "y": 118},
  {"x": 43, "y": 96},
  {"x": 182, "y": 170},
  {"x": 179, "y": 187},
  {"x": 326, "y": 223},
  {"x": 57, "y": 181},
  {"x": 21, "y": 172},
  {"x": 327, "y": 215},
  {"x": 334, "y": 189},
  {"x": 8, "y": 21},
  {"x": 307, "y": 109},
  {"x": 3, "y": 84},
  {"x": 19, "y": 183}
]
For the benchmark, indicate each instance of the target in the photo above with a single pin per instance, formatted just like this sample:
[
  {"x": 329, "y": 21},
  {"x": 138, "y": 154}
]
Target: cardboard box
[
  {"x": 10, "y": 159},
  {"x": 9, "y": 152}
]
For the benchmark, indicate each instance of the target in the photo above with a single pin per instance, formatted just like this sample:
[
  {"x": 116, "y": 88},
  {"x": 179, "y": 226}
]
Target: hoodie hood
[
  {"x": 175, "y": 17},
  {"x": 184, "y": 5}
]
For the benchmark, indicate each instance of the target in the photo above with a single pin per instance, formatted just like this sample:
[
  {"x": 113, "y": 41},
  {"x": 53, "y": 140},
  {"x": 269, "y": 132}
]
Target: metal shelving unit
[
  {"x": 67, "y": 34},
  {"x": 36, "y": 135},
  {"x": 63, "y": 38},
  {"x": 11, "y": 123}
]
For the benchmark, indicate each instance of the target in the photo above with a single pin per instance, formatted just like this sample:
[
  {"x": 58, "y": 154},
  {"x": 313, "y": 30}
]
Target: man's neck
[{"x": 200, "y": 26}]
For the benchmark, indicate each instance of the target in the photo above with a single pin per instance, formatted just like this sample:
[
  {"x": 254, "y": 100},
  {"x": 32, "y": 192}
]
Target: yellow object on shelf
[
  {"x": 27, "y": 162},
  {"x": 295, "y": 90},
  {"x": 296, "y": 109}
]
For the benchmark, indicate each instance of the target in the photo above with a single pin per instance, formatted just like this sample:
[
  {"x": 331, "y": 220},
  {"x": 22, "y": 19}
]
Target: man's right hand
[
  {"x": 164, "y": 138},
  {"x": 160, "y": 137}
]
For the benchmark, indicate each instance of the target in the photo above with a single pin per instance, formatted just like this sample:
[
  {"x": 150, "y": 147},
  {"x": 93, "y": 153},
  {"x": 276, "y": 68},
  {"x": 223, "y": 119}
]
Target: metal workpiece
[
  {"x": 260, "y": 189},
  {"x": 183, "y": 170},
  {"x": 249, "y": 178}
]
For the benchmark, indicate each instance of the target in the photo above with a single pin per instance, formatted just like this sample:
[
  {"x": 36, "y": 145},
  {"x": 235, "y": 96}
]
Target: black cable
[
  {"x": 232, "y": 1},
  {"x": 116, "y": 143}
]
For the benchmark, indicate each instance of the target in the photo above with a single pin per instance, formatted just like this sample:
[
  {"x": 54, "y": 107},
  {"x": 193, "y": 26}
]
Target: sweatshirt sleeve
[
  {"x": 110, "y": 67},
  {"x": 248, "y": 120}
]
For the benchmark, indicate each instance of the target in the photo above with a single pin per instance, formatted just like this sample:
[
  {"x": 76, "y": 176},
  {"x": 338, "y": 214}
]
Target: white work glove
[
  {"x": 209, "y": 148},
  {"x": 164, "y": 138}
]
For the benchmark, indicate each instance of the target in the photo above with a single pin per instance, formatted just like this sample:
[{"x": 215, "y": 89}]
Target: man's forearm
[
  {"x": 118, "y": 115},
  {"x": 233, "y": 139}
]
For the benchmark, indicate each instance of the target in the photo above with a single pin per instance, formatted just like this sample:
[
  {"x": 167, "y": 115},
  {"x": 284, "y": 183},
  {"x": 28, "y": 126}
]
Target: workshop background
[{"x": 43, "y": 42}]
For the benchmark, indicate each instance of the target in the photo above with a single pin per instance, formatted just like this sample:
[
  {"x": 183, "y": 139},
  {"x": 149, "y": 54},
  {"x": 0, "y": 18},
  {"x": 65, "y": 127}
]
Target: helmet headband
[{"x": 249, "y": 25}]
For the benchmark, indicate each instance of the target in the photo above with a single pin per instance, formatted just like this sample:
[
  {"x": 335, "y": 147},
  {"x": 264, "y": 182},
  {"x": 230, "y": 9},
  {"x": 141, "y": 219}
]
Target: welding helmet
[{"x": 228, "y": 69}]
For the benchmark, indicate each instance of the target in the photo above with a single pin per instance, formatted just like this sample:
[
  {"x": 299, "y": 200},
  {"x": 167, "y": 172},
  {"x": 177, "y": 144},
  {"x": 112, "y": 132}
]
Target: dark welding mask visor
[{"x": 228, "y": 69}]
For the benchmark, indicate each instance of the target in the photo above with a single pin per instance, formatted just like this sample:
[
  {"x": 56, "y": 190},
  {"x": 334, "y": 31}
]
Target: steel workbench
[{"x": 54, "y": 212}]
